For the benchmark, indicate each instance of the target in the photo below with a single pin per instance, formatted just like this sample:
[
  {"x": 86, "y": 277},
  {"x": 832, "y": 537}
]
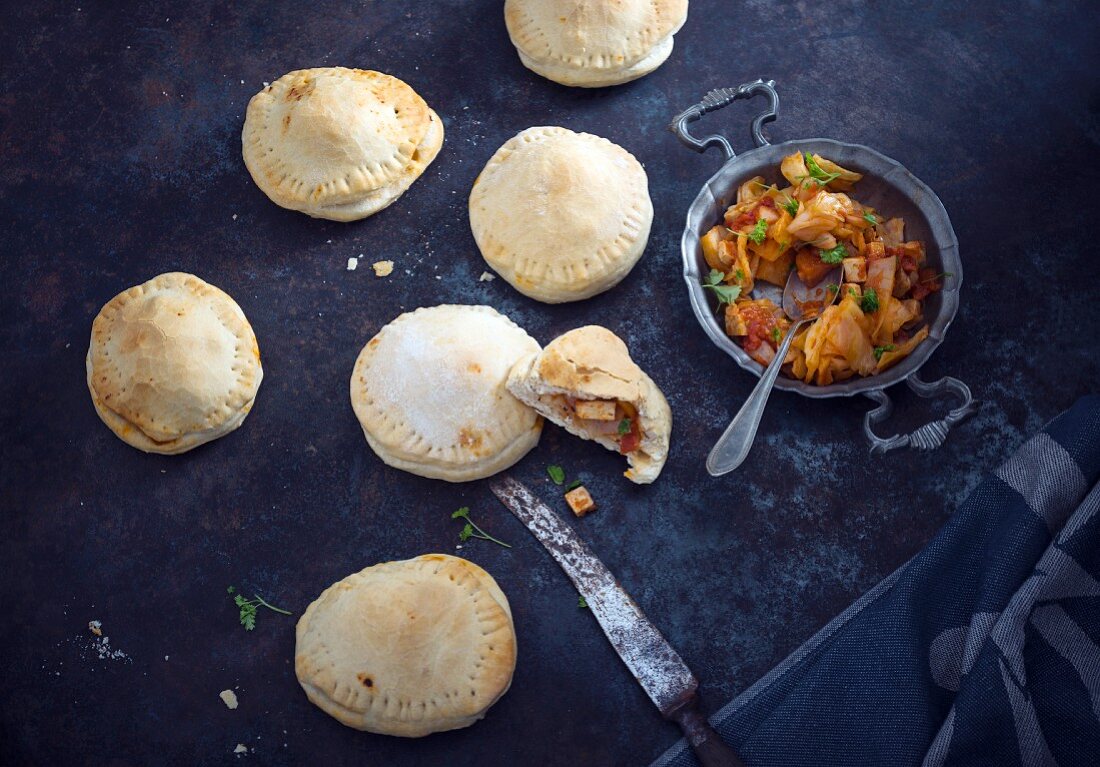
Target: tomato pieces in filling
[{"x": 604, "y": 419}]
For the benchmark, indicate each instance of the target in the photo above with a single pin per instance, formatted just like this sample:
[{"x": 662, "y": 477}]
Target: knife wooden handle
[{"x": 707, "y": 744}]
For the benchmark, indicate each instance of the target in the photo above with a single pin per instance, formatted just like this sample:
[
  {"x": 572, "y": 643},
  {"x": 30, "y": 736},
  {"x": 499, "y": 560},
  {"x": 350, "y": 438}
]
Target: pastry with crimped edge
[
  {"x": 429, "y": 391},
  {"x": 586, "y": 382},
  {"x": 338, "y": 143},
  {"x": 408, "y": 648},
  {"x": 593, "y": 43},
  {"x": 172, "y": 363},
  {"x": 560, "y": 215}
]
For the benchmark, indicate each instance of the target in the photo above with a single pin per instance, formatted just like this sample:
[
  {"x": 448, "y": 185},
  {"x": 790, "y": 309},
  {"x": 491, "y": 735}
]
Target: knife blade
[{"x": 656, "y": 665}]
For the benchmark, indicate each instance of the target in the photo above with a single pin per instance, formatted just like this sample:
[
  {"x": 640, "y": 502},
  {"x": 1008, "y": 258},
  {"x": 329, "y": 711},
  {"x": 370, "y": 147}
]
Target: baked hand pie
[
  {"x": 586, "y": 382},
  {"x": 338, "y": 143},
  {"x": 560, "y": 215},
  {"x": 408, "y": 648},
  {"x": 172, "y": 363},
  {"x": 429, "y": 391},
  {"x": 593, "y": 43}
]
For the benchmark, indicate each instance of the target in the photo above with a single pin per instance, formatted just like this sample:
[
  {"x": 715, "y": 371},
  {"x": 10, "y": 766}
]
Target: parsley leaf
[
  {"x": 832, "y": 287},
  {"x": 726, "y": 294},
  {"x": 471, "y": 530},
  {"x": 816, "y": 173},
  {"x": 869, "y": 218},
  {"x": 759, "y": 232},
  {"x": 739, "y": 275},
  {"x": 791, "y": 206},
  {"x": 556, "y": 473},
  {"x": 879, "y": 350},
  {"x": 852, "y": 292},
  {"x": 834, "y": 255},
  {"x": 248, "y": 607},
  {"x": 573, "y": 485},
  {"x": 624, "y": 426},
  {"x": 869, "y": 302},
  {"x": 582, "y": 602},
  {"x": 777, "y": 334}
]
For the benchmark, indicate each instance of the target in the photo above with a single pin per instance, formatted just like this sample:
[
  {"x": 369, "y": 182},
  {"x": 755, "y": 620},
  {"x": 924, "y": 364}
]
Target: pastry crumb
[
  {"x": 353, "y": 264},
  {"x": 229, "y": 698},
  {"x": 580, "y": 501},
  {"x": 241, "y": 749},
  {"x": 382, "y": 268},
  {"x": 486, "y": 277},
  {"x": 96, "y": 628}
]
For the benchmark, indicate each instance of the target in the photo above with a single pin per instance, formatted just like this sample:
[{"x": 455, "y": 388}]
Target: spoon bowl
[{"x": 802, "y": 304}]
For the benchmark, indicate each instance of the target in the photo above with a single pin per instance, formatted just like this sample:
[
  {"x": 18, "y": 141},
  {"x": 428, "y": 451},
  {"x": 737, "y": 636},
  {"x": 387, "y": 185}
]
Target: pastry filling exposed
[{"x": 601, "y": 419}]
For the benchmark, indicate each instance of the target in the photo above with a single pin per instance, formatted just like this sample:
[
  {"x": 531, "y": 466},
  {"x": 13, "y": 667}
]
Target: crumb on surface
[
  {"x": 96, "y": 627},
  {"x": 229, "y": 698},
  {"x": 382, "y": 268},
  {"x": 353, "y": 263},
  {"x": 241, "y": 749},
  {"x": 486, "y": 277},
  {"x": 580, "y": 501}
]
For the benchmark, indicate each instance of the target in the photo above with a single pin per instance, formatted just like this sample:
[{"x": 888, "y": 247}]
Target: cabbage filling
[{"x": 608, "y": 419}]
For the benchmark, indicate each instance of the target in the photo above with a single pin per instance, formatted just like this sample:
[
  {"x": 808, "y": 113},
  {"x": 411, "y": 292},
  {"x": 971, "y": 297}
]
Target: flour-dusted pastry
[
  {"x": 408, "y": 648},
  {"x": 593, "y": 43},
  {"x": 586, "y": 382},
  {"x": 561, "y": 215},
  {"x": 172, "y": 363},
  {"x": 429, "y": 391},
  {"x": 338, "y": 143}
]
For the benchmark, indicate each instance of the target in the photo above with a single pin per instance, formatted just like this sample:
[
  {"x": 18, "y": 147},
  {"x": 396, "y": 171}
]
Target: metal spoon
[{"x": 801, "y": 304}]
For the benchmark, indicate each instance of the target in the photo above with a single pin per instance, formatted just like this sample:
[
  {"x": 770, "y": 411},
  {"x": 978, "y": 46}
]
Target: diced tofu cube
[
  {"x": 875, "y": 250},
  {"x": 580, "y": 501},
  {"x": 855, "y": 269},
  {"x": 595, "y": 410},
  {"x": 735, "y": 323},
  {"x": 851, "y": 289}
]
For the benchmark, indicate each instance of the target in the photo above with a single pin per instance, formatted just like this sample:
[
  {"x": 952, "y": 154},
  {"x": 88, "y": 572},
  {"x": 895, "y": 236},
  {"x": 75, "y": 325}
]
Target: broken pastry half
[
  {"x": 586, "y": 382},
  {"x": 338, "y": 143},
  {"x": 172, "y": 363}
]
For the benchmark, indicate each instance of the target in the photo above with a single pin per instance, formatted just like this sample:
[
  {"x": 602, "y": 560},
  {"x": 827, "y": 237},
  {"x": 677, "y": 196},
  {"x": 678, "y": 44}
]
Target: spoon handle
[{"x": 733, "y": 446}]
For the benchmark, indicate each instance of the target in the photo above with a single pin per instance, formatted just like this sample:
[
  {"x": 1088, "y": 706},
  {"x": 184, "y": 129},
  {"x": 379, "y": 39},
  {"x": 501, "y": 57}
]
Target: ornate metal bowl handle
[
  {"x": 717, "y": 99},
  {"x": 931, "y": 435}
]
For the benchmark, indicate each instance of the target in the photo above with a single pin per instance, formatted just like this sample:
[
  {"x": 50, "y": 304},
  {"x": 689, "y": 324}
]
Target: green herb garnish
[
  {"x": 852, "y": 292},
  {"x": 791, "y": 206},
  {"x": 726, "y": 294},
  {"x": 248, "y": 607},
  {"x": 777, "y": 334},
  {"x": 869, "y": 218},
  {"x": 471, "y": 530},
  {"x": 834, "y": 255},
  {"x": 869, "y": 302},
  {"x": 759, "y": 232},
  {"x": 816, "y": 173},
  {"x": 938, "y": 276},
  {"x": 556, "y": 473},
  {"x": 739, "y": 275},
  {"x": 582, "y": 602},
  {"x": 624, "y": 426},
  {"x": 573, "y": 485},
  {"x": 880, "y": 349},
  {"x": 832, "y": 287}
]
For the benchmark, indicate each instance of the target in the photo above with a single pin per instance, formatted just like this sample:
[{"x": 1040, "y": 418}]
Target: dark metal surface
[{"x": 120, "y": 159}]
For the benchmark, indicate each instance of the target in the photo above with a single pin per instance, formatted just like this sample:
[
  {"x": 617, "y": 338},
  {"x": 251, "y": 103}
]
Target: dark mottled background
[{"x": 120, "y": 140}]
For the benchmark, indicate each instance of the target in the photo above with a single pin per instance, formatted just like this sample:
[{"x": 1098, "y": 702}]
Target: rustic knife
[{"x": 658, "y": 668}]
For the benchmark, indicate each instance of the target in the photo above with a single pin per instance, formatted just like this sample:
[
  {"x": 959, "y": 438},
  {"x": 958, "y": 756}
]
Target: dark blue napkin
[{"x": 984, "y": 649}]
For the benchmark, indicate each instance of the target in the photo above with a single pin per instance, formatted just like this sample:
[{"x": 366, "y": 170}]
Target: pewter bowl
[{"x": 887, "y": 186}]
